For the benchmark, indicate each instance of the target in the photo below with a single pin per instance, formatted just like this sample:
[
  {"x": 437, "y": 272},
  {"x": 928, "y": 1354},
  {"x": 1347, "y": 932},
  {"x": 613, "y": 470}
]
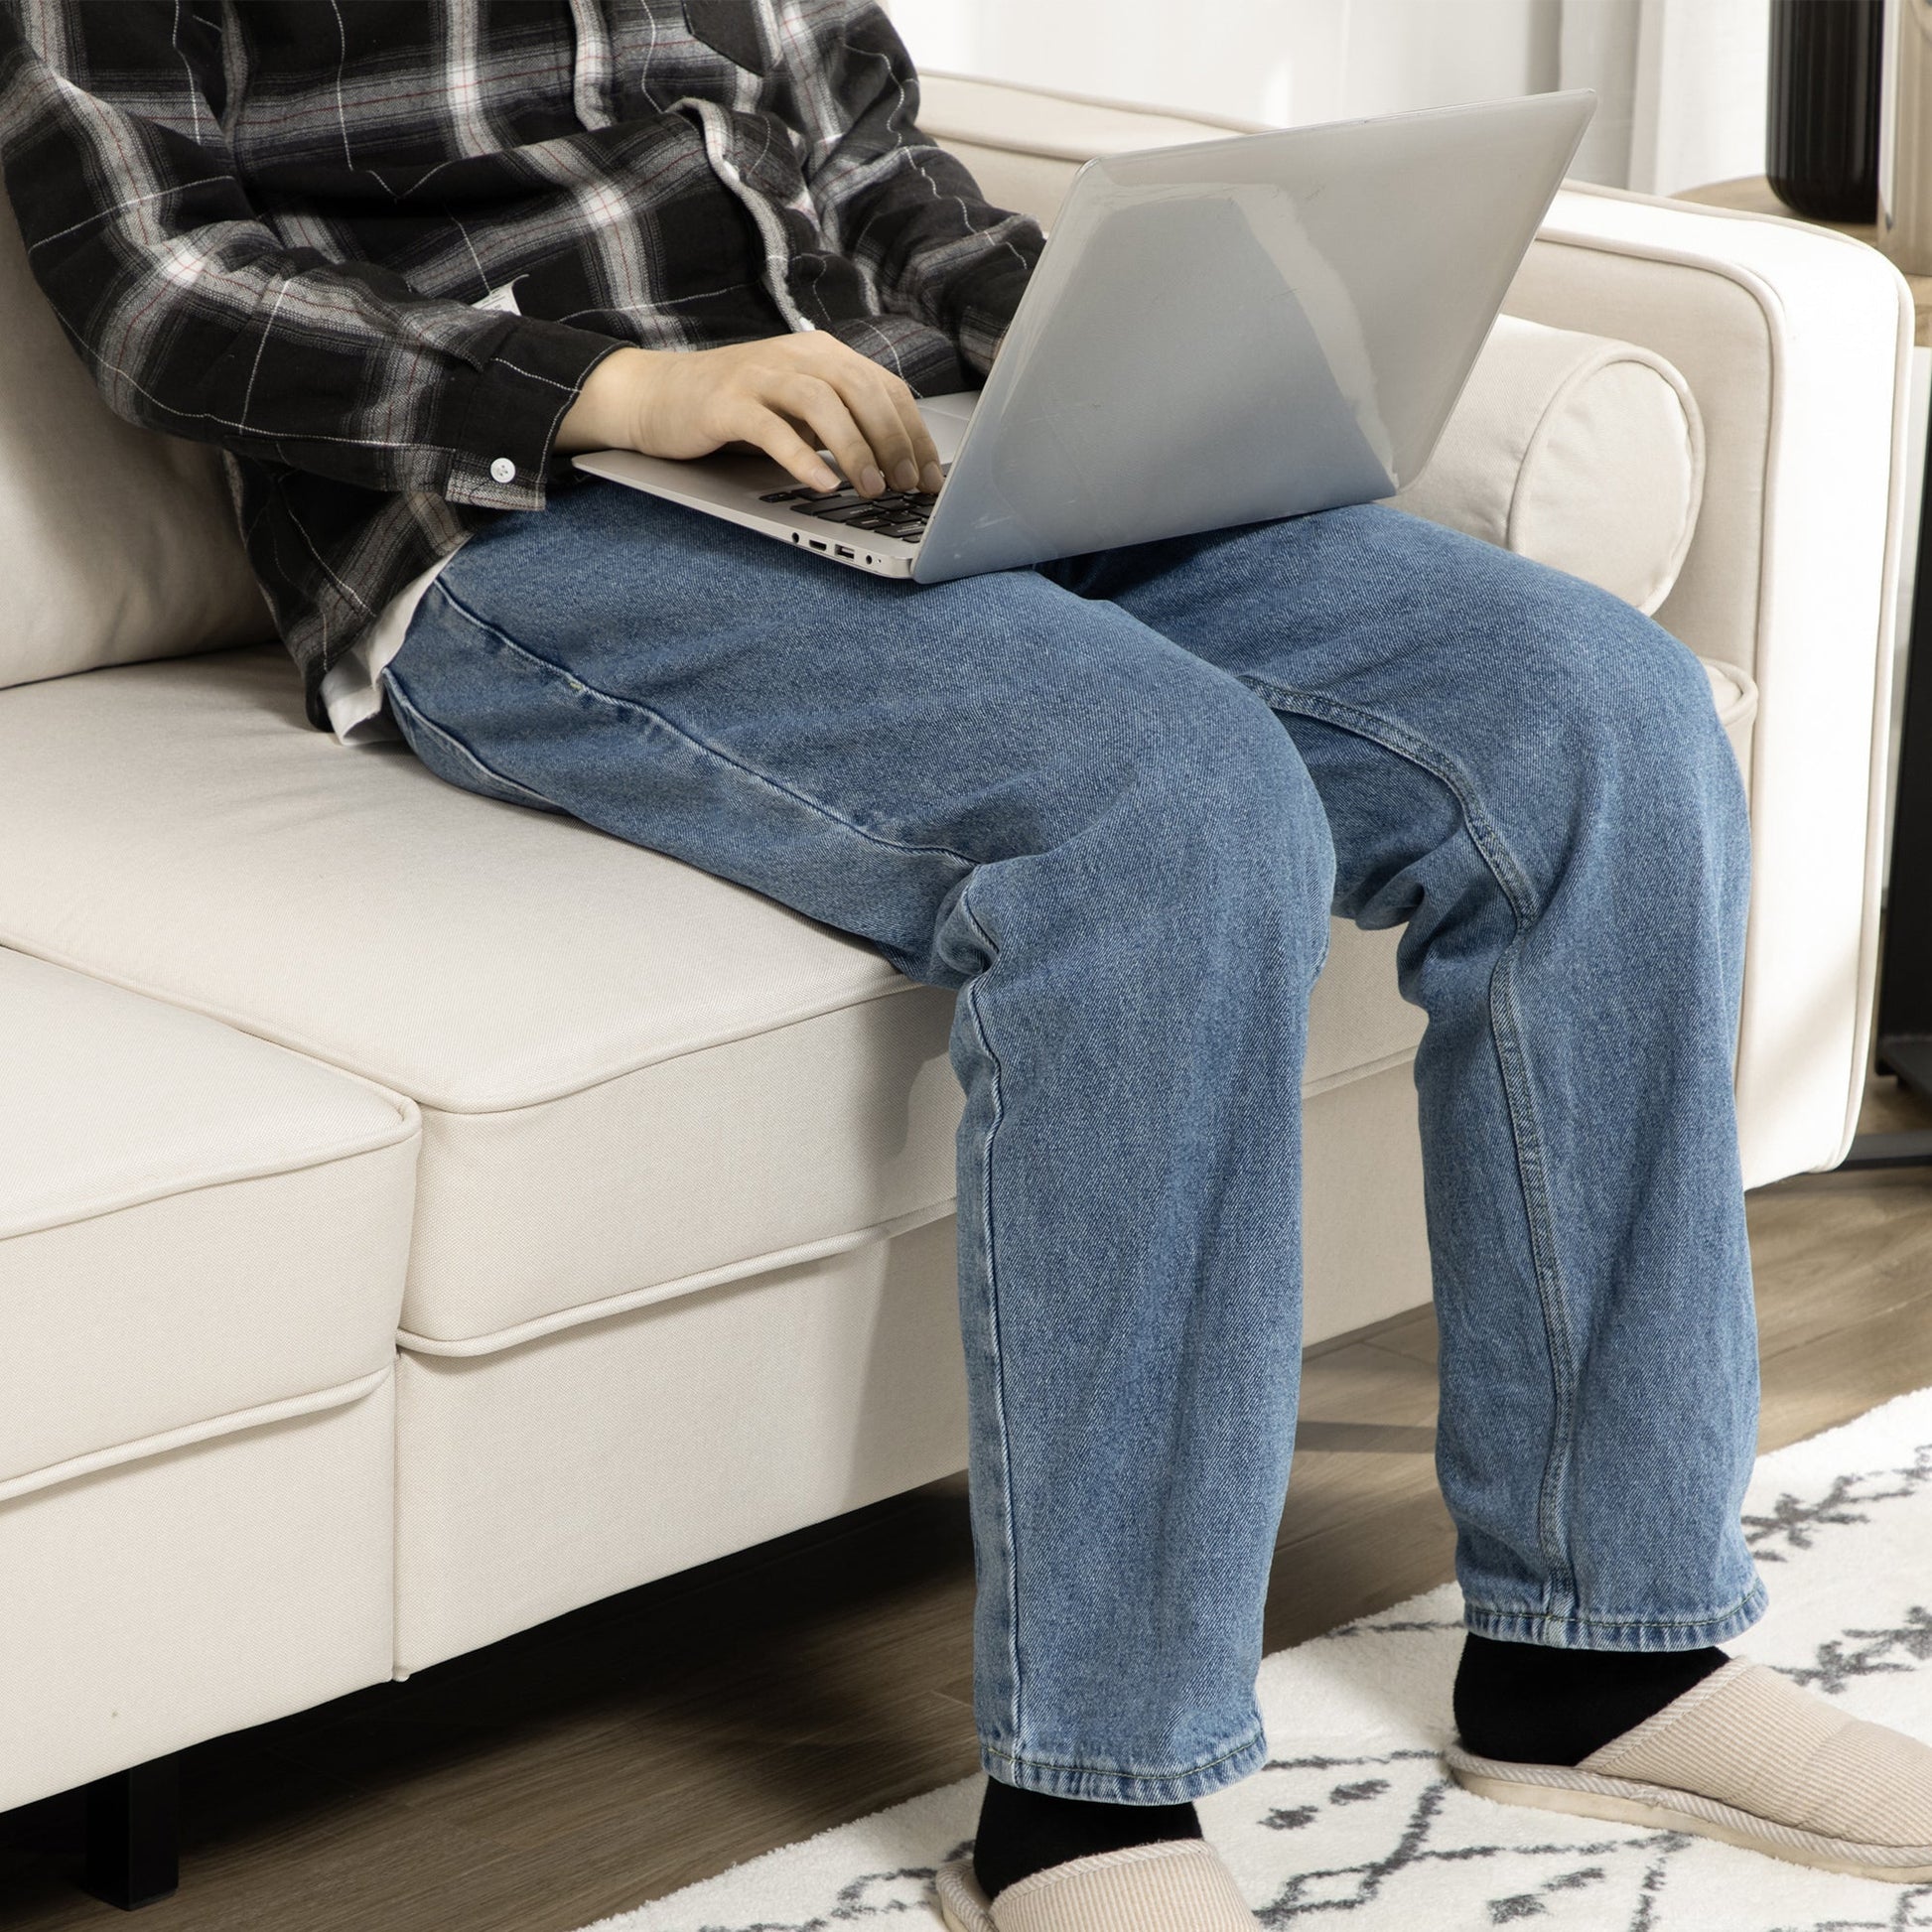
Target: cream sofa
[{"x": 420, "y": 1216}]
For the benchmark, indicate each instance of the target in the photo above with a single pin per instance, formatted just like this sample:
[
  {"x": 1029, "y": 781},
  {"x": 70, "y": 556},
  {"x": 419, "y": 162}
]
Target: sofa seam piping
[
  {"x": 231, "y": 1422},
  {"x": 411, "y": 1129},
  {"x": 501, "y": 1342}
]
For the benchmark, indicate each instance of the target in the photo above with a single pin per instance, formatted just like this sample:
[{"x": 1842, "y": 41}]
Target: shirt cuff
[
  {"x": 983, "y": 306},
  {"x": 514, "y": 402}
]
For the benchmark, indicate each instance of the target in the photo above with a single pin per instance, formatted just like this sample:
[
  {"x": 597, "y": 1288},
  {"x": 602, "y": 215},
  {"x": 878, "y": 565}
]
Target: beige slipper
[
  {"x": 1747, "y": 1757},
  {"x": 1177, "y": 1885}
]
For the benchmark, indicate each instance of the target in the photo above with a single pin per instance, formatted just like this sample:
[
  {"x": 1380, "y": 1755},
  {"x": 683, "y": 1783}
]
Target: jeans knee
[
  {"x": 1231, "y": 818},
  {"x": 1673, "y": 739},
  {"x": 1642, "y": 748}
]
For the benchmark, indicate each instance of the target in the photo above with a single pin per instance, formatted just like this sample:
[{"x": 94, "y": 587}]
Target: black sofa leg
[{"x": 133, "y": 1841}]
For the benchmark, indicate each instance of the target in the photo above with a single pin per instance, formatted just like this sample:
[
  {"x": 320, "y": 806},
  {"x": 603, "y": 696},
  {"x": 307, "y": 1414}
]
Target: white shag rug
[{"x": 1353, "y": 1822}]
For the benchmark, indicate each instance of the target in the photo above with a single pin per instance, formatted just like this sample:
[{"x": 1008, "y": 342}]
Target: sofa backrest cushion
[{"x": 116, "y": 544}]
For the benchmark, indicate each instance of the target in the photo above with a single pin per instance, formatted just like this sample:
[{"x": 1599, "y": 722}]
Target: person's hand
[{"x": 790, "y": 396}]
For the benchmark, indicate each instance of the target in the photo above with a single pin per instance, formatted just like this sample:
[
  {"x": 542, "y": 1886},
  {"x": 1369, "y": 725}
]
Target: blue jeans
[{"x": 1111, "y": 802}]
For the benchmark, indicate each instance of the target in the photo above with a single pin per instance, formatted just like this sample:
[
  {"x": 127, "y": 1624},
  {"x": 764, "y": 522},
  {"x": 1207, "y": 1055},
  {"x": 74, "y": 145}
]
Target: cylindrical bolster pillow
[
  {"x": 1735, "y": 695},
  {"x": 1576, "y": 449}
]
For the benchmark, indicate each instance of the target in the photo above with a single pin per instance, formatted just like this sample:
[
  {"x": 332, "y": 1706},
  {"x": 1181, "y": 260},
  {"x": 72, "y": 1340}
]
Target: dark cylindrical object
[{"x": 1822, "y": 150}]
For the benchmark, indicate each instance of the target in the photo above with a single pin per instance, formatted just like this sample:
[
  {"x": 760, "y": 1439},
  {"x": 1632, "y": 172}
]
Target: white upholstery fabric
[
  {"x": 194, "y": 1594},
  {"x": 1005, "y": 118},
  {"x": 1582, "y": 452},
  {"x": 1364, "y": 1241},
  {"x": 614, "y": 1052},
  {"x": 115, "y": 544},
  {"x": 1735, "y": 697},
  {"x": 108, "y": 1101},
  {"x": 193, "y": 1224},
  {"x": 545, "y": 1477}
]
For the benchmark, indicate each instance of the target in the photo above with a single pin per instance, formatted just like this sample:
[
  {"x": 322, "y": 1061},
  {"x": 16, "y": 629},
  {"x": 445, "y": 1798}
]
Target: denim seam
[
  {"x": 1501, "y": 1612},
  {"x": 399, "y": 695},
  {"x": 1512, "y": 1061},
  {"x": 1246, "y": 1744},
  {"x": 993, "y": 1303},
  {"x": 684, "y": 736},
  {"x": 1750, "y": 1607}
]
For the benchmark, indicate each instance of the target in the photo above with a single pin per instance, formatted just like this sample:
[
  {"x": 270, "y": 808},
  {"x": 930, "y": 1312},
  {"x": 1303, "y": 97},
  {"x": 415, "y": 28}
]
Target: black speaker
[{"x": 1822, "y": 148}]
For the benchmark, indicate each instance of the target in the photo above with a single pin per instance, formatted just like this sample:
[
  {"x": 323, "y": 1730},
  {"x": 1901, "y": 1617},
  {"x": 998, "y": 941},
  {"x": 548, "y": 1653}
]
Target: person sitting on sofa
[{"x": 399, "y": 260}]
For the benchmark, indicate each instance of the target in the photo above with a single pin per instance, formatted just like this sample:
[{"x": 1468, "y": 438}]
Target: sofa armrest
[{"x": 1796, "y": 345}]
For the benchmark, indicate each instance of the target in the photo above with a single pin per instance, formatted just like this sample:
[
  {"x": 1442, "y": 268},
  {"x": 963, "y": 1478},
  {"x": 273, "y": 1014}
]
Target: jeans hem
[
  {"x": 1115, "y": 1786},
  {"x": 1577, "y": 1631}
]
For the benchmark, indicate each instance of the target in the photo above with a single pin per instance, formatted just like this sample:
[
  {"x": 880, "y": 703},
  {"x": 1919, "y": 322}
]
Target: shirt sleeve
[
  {"x": 196, "y": 319},
  {"x": 902, "y": 207}
]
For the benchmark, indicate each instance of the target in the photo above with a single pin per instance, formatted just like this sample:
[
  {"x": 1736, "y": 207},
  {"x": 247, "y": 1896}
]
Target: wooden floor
[{"x": 650, "y": 1740}]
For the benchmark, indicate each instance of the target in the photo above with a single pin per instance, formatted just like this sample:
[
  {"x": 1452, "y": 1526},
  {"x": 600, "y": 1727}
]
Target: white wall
[
  {"x": 1681, "y": 82},
  {"x": 1280, "y": 60}
]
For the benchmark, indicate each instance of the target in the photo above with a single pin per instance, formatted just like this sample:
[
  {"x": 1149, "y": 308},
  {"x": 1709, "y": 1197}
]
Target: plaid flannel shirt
[{"x": 267, "y": 227}]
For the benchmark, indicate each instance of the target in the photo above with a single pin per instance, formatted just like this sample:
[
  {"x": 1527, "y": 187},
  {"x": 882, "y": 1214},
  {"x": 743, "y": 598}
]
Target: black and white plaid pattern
[{"x": 266, "y": 225}]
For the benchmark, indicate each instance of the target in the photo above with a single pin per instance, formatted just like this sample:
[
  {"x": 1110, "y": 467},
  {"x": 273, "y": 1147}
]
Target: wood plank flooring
[{"x": 642, "y": 1743}]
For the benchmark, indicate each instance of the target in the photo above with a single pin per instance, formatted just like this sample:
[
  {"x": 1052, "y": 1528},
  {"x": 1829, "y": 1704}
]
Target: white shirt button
[{"x": 504, "y": 470}]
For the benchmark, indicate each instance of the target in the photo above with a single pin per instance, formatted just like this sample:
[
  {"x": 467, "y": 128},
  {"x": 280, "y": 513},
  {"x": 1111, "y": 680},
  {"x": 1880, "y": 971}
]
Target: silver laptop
[{"x": 1216, "y": 334}]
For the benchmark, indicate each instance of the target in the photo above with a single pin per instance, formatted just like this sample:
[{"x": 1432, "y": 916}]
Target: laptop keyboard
[{"x": 902, "y": 513}]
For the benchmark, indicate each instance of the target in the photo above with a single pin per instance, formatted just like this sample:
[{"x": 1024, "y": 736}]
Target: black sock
[
  {"x": 1023, "y": 1832},
  {"x": 1527, "y": 1703}
]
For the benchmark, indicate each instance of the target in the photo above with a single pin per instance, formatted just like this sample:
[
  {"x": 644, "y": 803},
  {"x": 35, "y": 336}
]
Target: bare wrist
[{"x": 604, "y": 414}]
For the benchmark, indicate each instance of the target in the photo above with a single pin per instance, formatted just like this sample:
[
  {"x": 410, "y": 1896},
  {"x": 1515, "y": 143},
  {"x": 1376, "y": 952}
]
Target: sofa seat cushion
[
  {"x": 195, "y": 1226},
  {"x": 634, "y": 1077}
]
